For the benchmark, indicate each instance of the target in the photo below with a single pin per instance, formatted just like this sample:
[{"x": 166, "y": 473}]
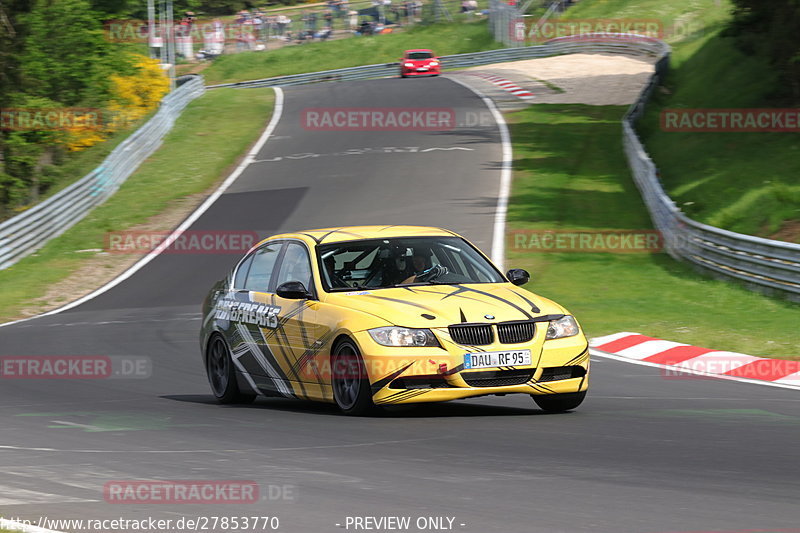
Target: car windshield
[
  {"x": 385, "y": 263},
  {"x": 420, "y": 55}
]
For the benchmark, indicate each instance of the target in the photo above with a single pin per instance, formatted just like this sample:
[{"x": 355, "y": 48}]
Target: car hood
[{"x": 432, "y": 306}]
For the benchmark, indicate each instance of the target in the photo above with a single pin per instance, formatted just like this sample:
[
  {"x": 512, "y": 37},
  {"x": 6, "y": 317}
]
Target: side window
[
  {"x": 261, "y": 268},
  {"x": 296, "y": 266},
  {"x": 241, "y": 272}
]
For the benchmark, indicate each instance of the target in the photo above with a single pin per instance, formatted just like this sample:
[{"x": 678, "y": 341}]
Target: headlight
[
  {"x": 565, "y": 326},
  {"x": 409, "y": 64},
  {"x": 396, "y": 336},
  {"x": 433, "y": 63}
]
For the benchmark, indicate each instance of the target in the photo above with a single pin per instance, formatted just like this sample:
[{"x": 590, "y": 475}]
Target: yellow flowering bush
[{"x": 132, "y": 97}]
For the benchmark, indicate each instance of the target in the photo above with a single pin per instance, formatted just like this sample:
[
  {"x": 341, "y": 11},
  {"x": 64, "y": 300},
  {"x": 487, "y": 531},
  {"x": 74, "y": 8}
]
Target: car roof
[
  {"x": 357, "y": 233},
  {"x": 419, "y": 50}
]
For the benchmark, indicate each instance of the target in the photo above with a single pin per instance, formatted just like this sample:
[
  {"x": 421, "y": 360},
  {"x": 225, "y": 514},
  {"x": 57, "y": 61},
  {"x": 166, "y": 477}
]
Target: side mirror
[
  {"x": 292, "y": 290},
  {"x": 517, "y": 276}
]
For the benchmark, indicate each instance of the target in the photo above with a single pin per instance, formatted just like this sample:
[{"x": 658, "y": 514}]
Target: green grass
[
  {"x": 210, "y": 135},
  {"x": 682, "y": 21},
  {"x": 744, "y": 182},
  {"x": 645, "y": 293},
  {"x": 444, "y": 39}
]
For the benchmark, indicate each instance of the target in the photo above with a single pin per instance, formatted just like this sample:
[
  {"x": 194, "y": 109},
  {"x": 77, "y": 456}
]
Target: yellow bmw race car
[{"x": 382, "y": 315}]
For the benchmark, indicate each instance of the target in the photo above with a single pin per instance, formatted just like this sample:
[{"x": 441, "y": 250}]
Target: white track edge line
[
  {"x": 273, "y": 123},
  {"x": 594, "y": 351},
  {"x": 498, "y": 234}
]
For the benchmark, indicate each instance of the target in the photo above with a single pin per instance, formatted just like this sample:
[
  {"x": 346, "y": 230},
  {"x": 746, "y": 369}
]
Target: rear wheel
[
  {"x": 350, "y": 383},
  {"x": 222, "y": 375},
  {"x": 558, "y": 403}
]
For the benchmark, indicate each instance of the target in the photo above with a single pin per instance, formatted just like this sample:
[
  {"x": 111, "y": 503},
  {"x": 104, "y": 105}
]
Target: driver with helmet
[{"x": 424, "y": 269}]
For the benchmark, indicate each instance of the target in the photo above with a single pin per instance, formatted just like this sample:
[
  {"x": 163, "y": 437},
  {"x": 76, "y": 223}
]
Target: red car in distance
[{"x": 419, "y": 63}]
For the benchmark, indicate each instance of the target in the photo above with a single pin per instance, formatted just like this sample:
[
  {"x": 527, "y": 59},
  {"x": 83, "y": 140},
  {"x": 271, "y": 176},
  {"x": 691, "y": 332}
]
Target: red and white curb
[
  {"x": 684, "y": 358},
  {"x": 505, "y": 84}
]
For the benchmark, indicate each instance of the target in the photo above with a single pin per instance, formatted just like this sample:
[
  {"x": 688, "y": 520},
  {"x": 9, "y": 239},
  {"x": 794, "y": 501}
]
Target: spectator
[
  {"x": 258, "y": 26},
  {"x": 365, "y": 28},
  {"x": 352, "y": 20},
  {"x": 281, "y": 22},
  {"x": 328, "y": 17}
]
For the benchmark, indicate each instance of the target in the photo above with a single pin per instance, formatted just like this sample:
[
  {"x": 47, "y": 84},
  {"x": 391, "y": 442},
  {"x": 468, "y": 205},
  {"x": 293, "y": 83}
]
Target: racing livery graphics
[{"x": 380, "y": 315}]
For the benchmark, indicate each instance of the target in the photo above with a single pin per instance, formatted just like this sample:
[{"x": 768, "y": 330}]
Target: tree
[
  {"x": 66, "y": 56},
  {"x": 771, "y": 29}
]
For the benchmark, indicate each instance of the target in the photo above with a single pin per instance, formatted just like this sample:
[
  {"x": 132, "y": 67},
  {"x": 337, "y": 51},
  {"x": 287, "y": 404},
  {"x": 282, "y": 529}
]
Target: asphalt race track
[{"x": 643, "y": 454}]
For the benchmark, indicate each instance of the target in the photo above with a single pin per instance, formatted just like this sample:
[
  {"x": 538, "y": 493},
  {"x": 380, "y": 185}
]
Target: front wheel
[
  {"x": 350, "y": 383},
  {"x": 558, "y": 403},
  {"x": 222, "y": 375}
]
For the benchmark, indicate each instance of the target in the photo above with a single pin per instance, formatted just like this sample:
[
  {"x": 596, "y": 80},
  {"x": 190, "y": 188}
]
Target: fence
[
  {"x": 300, "y": 24},
  {"x": 504, "y": 21},
  {"x": 30, "y": 230}
]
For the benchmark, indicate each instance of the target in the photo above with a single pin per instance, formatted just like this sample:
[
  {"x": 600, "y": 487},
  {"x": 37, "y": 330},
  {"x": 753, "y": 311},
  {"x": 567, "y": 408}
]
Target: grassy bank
[
  {"x": 744, "y": 182},
  {"x": 682, "y": 21},
  {"x": 444, "y": 39},
  {"x": 208, "y": 138},
  {"x": 643, "y": 292}
]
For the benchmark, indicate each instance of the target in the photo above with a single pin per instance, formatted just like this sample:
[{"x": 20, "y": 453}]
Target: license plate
[
  {"x": 493, "y": 359},
  {"x": 423, "y": 69}
]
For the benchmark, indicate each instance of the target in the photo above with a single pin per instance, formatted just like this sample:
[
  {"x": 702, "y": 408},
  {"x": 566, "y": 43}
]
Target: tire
[
  {"x": 350, "y": 383},
  {"x": 558, "y": 403},
  {"x": 222, "y": 375}
]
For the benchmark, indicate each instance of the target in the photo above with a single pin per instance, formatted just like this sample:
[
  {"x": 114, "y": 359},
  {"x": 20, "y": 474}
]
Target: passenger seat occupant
[{"x": 335, "y": 279}]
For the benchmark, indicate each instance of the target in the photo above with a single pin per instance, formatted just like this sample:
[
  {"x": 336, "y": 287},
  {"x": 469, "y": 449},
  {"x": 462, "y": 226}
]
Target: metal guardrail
[
  {"x": 27, "y": 232},
  {"x": 767, "y": 265},
  {"x": 764, "y": 265},
  {"x": 624, "y": 44}
]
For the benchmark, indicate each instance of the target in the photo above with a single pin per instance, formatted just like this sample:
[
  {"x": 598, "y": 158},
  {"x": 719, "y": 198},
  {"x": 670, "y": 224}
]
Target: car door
[
  {"x": 253, "y": 320},
  {"x": 297, "y": 336}
]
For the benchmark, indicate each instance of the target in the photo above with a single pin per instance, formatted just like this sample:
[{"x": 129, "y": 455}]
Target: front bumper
[
  {"x": 405, "y": 71},
  {"x": 412, "y": 375}
]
